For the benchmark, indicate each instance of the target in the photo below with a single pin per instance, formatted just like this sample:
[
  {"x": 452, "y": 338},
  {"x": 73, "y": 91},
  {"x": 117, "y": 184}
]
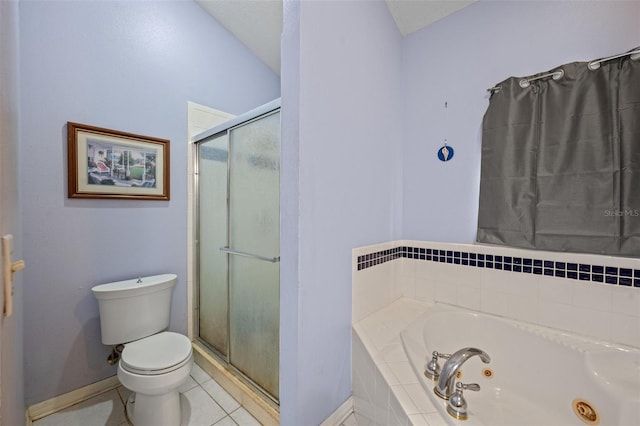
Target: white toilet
[{"x": 153, "y": 363}]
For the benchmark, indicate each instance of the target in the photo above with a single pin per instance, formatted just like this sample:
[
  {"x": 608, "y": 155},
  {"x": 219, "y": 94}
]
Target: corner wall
[
  {"x": 129, "y": 66},
  {"x": 344, "y": 59}
]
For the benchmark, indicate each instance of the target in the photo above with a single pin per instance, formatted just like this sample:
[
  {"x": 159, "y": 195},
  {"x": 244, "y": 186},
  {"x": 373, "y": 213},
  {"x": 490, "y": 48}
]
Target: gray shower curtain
[{"x": 561, "y": 162}]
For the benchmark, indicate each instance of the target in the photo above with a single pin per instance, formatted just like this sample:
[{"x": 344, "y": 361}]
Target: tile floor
[
  {"x": 350, "y": 421},
  {"x": 207, "y": 404}
]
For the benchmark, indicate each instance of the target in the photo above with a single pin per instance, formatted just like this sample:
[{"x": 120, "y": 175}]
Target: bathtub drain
[{"x": 585, "y": 411}]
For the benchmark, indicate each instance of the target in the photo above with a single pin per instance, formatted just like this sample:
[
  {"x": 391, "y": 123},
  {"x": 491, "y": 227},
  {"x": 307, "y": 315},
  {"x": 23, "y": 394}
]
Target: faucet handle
[
  {"x": 457, "y": 405},
  {"x": 467, "y": 386},
  {"x": 432, "y": 369}
]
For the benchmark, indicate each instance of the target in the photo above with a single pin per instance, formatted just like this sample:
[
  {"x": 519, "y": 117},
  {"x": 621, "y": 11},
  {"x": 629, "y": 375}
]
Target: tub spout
[{"x": 446, "y": 382}]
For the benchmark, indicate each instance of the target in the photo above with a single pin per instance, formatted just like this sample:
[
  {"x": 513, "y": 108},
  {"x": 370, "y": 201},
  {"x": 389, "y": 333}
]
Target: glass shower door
[
  {"x": 213, "y": 288},
  {"x": 239, "y": 246},
  {"x": 254, "y": 236}
]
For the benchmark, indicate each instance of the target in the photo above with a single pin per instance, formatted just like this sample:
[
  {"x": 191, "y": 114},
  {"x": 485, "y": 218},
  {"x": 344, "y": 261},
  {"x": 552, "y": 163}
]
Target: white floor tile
[
  {"x": 199, "y": 409},
  {"x": 124, "y": 394},
  {"x": 243, "y": 418},
  {"x": 220, "y": 395},
  {"x": 199, "y": 374},
  {"x": 204, "y": 403},
  {"x": 188, "y": 385},
  {"x": 104, "y": 409},
  {"x": 227, "y": 421}
]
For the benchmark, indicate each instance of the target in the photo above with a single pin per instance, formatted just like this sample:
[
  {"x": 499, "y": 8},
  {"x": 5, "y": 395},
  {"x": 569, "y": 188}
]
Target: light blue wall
[
  {"x": 346, "y": 76},
  {"x": 130, "y": 66},
  {"x": 12, "y": 405},
  {"x": 341, "y": 107},
  {"x": 455, "y": 60}
]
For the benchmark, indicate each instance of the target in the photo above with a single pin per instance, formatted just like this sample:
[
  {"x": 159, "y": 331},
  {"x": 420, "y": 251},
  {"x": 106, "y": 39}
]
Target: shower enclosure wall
[{"x": 238, "y": 244}]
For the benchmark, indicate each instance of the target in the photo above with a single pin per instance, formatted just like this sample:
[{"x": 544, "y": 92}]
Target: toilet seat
[{"x": 157, "y": 354}]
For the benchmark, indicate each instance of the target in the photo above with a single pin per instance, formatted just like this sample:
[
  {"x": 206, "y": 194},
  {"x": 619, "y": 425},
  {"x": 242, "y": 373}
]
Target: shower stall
[{"x": 238, "y": 243}]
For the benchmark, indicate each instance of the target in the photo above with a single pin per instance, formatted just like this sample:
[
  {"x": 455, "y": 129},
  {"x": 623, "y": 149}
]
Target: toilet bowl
[
  {"x": 154, "y": 368},
  {"x": 154, "y": 362}
]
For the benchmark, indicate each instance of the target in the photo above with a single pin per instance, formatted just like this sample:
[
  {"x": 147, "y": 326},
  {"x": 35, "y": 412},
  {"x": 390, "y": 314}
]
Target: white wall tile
[
  {"x": 393, "y": 353},
  {"x": 419, "y": 397},
  {"x": 406, "y": 267},
  {"x": 446, "y": 292},
  {"x": 524, "y": 308},
  {"x": 556, "y": 315},
  {"x": 363, "y": 420},
  {"x": 388, "y": 374},
  {"x": 559, "y": 290},
  {"x": 418, "y": 420},
  {"x": 381, "y": 406},
  {"x": 591, "y": 295},
  {"x": 625, "y": 300},
  {"x": 372, "y": 289},
  {"x": 405, "y": 400},
  {"x": 397, "y": 415},
  {"x": 625, "y": 329},
  {"x": 435, "y": 419},
  {"x": 404, "y": 372},
  {"x": 494, "y": 302},
  {"x": 425, "y": 289},
  {"x": 591, "y": 322},
  {"x": 496, "y": 281},
  {"x": 469, "y": 296}
]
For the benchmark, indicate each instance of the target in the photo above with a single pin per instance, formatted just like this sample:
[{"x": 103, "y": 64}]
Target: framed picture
[{"x": 110, "y": 164}]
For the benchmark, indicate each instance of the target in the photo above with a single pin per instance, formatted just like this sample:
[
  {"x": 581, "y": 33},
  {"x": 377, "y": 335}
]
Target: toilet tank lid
[{"x": 133, "y": 286}]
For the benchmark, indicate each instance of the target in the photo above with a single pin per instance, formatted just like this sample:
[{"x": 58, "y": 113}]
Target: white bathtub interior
[
  {"x": 396, "y": 290},
  {"x": 536, "y": 374}
]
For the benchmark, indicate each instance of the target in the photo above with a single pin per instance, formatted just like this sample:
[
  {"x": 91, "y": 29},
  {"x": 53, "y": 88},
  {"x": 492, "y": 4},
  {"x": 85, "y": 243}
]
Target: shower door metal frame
[{"x": 263, "y": 111}]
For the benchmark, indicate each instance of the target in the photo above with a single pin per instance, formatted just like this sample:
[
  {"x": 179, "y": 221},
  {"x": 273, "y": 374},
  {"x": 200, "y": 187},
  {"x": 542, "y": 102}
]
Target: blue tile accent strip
[
  {"x": 376, "y": 258},
  {"x": 584, "y": 272}
]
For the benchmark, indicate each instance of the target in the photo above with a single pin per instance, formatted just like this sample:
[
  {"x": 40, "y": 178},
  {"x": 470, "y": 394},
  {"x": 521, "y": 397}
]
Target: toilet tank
[{"x": 133, "y": 309}]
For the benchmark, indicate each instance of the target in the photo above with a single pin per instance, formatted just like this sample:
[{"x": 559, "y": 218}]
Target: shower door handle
[{"x": 251, "y": 255}]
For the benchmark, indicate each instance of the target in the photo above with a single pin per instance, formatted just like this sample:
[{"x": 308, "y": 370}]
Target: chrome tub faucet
[{"x": 446, "y": 380}]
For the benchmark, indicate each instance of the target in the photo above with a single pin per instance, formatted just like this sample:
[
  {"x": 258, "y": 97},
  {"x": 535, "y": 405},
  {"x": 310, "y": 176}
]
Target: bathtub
[{"x": 537, "y": 376}]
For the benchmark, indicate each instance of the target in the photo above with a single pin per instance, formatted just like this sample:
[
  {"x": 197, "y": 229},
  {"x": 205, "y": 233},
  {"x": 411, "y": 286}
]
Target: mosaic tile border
[
  {"x": 372, "y": 259},
  {"x": 527, "y": 265}
]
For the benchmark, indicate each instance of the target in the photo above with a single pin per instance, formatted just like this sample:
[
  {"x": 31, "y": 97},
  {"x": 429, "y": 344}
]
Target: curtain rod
[
  {"x": 594, "y": 65},
  {"x": 558, "y": 74}
]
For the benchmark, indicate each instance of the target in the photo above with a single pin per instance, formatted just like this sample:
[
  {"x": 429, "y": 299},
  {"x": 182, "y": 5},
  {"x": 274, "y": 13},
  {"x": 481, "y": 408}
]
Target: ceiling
[{"x": 258, "y": 23}]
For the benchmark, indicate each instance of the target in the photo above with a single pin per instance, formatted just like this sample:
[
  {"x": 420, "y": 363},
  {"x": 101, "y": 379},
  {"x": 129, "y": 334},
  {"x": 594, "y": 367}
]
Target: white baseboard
[
  {"x": 340, "y": 415},
  {"x": 60, "y": 402}
]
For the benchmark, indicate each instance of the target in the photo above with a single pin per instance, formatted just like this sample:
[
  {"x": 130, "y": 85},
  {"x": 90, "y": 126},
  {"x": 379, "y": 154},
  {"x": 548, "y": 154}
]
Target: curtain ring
[{"x": 556, "y": 75}]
